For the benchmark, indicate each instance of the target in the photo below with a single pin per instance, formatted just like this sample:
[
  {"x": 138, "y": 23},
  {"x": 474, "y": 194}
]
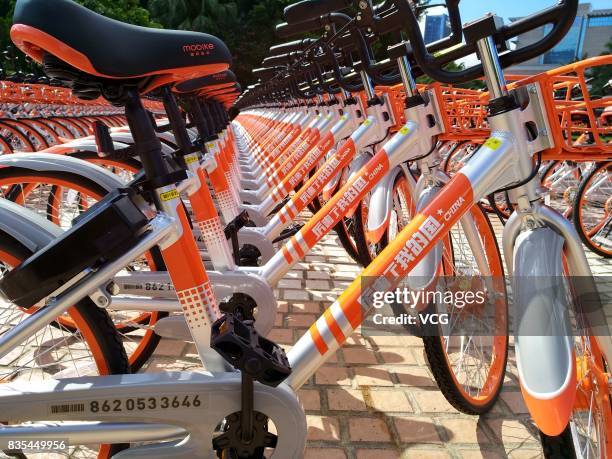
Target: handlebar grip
[
  {"x": 281, "y": 59},
  {"x": 266, "y": 72},
  {"x": 311, "y": 9},
  {"x": 285, "y": 30},
  {"x": 297, "y": 45}
]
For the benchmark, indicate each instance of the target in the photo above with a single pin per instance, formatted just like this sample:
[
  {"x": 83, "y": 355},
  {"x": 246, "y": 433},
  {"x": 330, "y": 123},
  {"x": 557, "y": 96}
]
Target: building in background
[
  {"x": 587, "y": 37},
  {"x": 436, "y": 27}
]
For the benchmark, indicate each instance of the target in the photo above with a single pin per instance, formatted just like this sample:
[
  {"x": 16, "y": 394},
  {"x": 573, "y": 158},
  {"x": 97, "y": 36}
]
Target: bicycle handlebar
[
  {"x": 311, "y": 9},
  {"x": 285, "y": 30},
  {"x": 282, "y": 59},
  {"x": 561, "y": 16},
  {"x": 296, "y": 45}
]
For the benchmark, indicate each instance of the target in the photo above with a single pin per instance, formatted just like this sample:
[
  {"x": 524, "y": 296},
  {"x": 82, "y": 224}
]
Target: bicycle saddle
[
  {"x": 106, "y": 48},
  {"x": 224, "y": 79},
  {"x": 235, "y": 88}
]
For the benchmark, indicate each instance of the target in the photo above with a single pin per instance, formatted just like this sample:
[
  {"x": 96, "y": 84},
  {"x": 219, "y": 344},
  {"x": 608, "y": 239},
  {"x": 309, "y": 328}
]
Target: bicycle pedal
[
  {"x": 240, "y": 221},
  {"x": 287, "y": 233},
  {"x": 241, "y": 346}
]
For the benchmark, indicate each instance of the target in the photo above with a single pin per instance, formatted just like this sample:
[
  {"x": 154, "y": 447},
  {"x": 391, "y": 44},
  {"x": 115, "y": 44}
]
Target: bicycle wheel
[
  {"x": 346, "y": 228},
  {"x": 469, "y": 368},
  {"x": 589, "y": 430},
  {"x": 562, "y": 178},
  {"x": 402, "y": 211},
  {"x": 93, "y": 348},
  {"x": 60, "y": 197},
  {"x": 592, "y": 212}
]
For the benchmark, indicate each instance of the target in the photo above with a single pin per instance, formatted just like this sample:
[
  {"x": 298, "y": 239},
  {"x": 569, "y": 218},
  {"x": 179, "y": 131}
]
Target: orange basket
[
  {"x": 581, "y": 122},
  {"x": 23, "y": 93},
  {"x": 464, "y": 112}
]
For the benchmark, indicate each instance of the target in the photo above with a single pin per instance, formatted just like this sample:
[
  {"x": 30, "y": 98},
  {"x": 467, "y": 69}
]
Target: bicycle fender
[
  {"x": 381, "y": 203},
  {"x": 26, "y": 226},
  {"x": 126, "y": 137},
  {"x": 543, "y": 343},
  {"x": 50, "y": 162},
  {"x": 81, "y": 144}
]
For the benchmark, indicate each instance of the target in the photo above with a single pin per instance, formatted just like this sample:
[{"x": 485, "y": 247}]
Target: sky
[{"x": 474, "y": 9}]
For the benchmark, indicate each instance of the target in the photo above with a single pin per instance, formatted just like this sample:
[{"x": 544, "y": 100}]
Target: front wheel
[
  {"x": 468, "y": 355},
  {"x": 589, "y": 431}
]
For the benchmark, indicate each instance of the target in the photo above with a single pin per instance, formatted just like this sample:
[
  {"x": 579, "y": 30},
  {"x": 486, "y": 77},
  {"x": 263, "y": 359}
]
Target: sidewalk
[{"x": 377, "y": 399}]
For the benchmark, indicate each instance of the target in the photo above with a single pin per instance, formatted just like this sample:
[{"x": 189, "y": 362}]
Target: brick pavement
[{"x": 376, "y": 399}]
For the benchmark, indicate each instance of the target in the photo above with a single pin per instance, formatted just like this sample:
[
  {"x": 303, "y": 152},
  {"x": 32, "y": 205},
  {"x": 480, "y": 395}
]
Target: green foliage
[{"x": 246, "y": 26}]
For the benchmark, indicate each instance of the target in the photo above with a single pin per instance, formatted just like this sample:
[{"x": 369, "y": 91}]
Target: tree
[{"x": 246, "y": 26}]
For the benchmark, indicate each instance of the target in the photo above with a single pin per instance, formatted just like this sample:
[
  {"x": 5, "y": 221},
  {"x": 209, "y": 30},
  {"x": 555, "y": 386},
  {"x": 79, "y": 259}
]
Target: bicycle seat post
[{"x": 146, "y": 142}]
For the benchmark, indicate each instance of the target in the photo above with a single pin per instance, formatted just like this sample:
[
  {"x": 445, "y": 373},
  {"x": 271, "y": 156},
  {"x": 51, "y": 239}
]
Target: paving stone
[
  {"x": 345, "y": 399},
  {"x": 310, "y": 399},
  {"x": 333, "y": 375},
  {"x": 432, "y": 401},
  {"x": 398, "y": 355},
  {"x": 170, "y": 348},
  {"x": 376, "y": 453},
  {"x": 372, "y": 376},
  {"x": 289, "y": 283},
  {"x": 301, "y": 320},
  {"x": 358, "y": 355},
  {"x": 416, "y": 429},
  {"x": 425, "y": 454},
  {"x": 295, "y": 295},
  {"x": 461, "y": 430},
  {"x": 324, "y": 453},
  {"x": 307, "y": 306},
  {"x": 323, "y": 428},
  {"x": 368, "y": 429},
  {"x": 389, "y": 401},
  {"x": 317, "y": 284}
]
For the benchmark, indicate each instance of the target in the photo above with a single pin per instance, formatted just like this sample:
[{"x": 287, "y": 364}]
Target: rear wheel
[
  {"x": 60, "y": 197},
  {"x": 92, "y": 348}
]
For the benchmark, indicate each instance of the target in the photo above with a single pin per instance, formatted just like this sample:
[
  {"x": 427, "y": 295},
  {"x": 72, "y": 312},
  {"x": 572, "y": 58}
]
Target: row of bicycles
[{"x": 175, "y": 209}]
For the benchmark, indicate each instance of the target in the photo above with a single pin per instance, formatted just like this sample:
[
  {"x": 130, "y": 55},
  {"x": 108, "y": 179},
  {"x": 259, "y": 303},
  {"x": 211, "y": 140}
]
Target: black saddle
[
  {"x": 107, "y": 48},
  {"x": 197, "y": 84}
]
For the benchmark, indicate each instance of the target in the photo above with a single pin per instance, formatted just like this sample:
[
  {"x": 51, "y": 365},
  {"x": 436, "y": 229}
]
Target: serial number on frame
[
  {"x": 145, "y": 404},
  {"x": 38, "y": 445}
]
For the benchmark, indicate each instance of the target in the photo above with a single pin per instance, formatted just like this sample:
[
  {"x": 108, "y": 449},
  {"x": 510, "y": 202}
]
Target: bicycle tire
[
  {"x": 95, "y": 326},
  {"x": 577, "y": 212},
  {"x": 145, "y": 348}
]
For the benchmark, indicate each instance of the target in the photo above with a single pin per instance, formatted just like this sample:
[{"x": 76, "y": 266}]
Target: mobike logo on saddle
[{"x": 198, "y": 49}]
